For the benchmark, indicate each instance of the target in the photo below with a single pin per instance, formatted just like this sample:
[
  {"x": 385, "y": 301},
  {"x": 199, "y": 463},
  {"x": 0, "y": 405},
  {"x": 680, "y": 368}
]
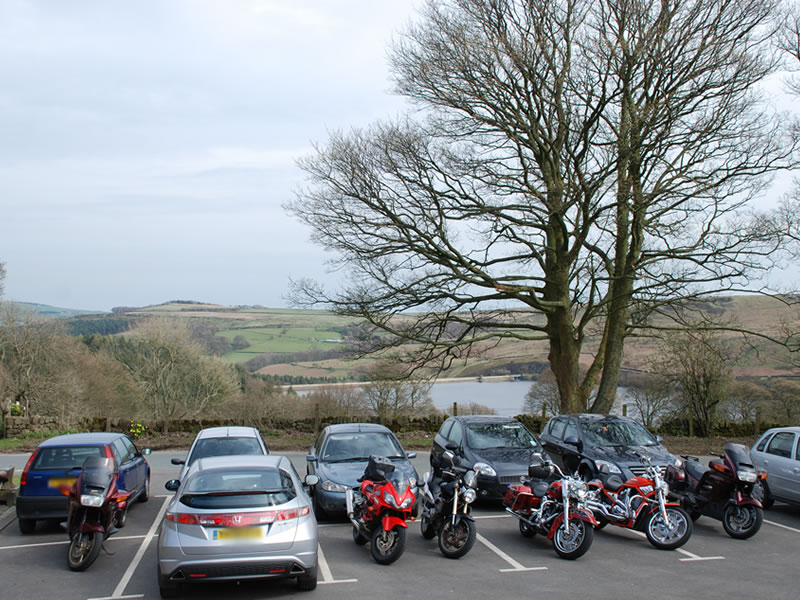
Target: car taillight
[
  {"x": 238, "y": 519},
  {"x": 23, "y": 479}
]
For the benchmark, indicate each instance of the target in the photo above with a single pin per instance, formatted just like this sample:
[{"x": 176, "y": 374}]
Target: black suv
[
  {"x": 500, "y": 449},
  {"x": 586, "y": 442}
]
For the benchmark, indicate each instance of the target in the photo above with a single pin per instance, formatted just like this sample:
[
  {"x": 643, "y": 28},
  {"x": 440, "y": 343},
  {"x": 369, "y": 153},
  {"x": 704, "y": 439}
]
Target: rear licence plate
[
  {"x": 238, "y": 533},
  {"x": 54, "y": 482}
]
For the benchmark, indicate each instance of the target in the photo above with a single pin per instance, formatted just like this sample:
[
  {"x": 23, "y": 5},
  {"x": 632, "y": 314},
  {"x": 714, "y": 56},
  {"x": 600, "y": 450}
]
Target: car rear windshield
[
  {"x": 240, "y": 488},
  {"x": 225, "y": 446},
  {"x": 499, "y": 435},
  {"x": 617, "y": 433},
  {"x": 64, "y": 458},
  {"x": 359, "y": 445}
]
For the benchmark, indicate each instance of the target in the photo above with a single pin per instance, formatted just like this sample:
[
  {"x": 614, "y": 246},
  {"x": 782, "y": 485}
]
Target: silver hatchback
[
  {"x": 235, "y": 518},
  {"x": 778, "y": 452}
]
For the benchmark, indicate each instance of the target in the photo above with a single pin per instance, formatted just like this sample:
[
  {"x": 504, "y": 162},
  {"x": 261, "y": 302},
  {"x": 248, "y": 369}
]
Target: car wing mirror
[
  {"x": 311, "y": 480},
  {"x": 172, "y": 485},
  {"x": 411, "y": 455},
  {"x": 659, "y": 439},
  {"x": 311, "y": 458},
  {"x": 573, "y": 441},
  {"x": 145, "y": 451},
  {"x": 178, "y": 461}
]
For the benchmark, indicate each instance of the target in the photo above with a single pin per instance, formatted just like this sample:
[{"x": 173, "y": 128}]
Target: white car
[
  {"x": 222, "y": 441},
  {"x": 238, "y": 517}
]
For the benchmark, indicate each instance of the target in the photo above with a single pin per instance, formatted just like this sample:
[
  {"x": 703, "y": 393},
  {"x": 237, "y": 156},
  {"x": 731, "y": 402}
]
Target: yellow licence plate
[
  {"x": 54, "y": 482},
  {"x": 238, "y": 533}
]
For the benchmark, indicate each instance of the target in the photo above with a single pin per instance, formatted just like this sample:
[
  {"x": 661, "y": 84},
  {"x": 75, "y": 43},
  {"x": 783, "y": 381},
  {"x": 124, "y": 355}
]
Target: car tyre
[
  {"x": 121, "y": 518},
  {"x": 307, "y": 581},
  {"x": 27, "y": 525},
  {"x": 766, "y": 500},
  {"x": 319, "y": 512},
  {"x": 145, "y": 495}
]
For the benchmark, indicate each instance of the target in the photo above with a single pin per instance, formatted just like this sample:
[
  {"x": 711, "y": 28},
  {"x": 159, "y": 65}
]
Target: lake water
[{"x": 505, "y": 397}]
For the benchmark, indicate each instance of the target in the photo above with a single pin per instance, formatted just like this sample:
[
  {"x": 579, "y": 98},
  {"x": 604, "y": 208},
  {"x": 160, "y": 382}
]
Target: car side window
[
  {"x": 557, "y": 428},
  {"x": 129, "y": 446},
  {"x": 762, "y": 444},
  {"x": 571, "y": 430},
  {"x": 120, "y": 451},
  {"x": 781, "y": 444},
  {"x": 446, "y": 427},
  {"x": 318, "y": 444},
  {"x": 456, "y": 433}
]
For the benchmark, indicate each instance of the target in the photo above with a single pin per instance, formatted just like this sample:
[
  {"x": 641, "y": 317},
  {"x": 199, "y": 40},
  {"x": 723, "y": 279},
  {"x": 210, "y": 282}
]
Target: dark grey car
[{"x": 585, "y": 443}]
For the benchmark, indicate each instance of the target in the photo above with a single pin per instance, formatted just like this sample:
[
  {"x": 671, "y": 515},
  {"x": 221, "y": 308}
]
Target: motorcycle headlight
[
  {"x": 91, "y": 500},
  {"x": 469, "y": 495},
  {"x": 332, "y": 486},
  {"x": 612, "y": 468},
  {"x": 485, "y": 469},
  {"x": 747, "y": 474},
  {"x": 470, "y": 479}
]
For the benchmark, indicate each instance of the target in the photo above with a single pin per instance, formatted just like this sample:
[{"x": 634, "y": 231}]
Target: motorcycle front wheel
[
  {"x": 574, "y": 543},
  {"x": 456, "y": 540},
  {"x": 742, "y": 522},
  {"x": 387, "y": 546},
  {"x": 83, "y": 549},
  {"x": 426, "y": 527},
  {"x": 671, "y": 534}
]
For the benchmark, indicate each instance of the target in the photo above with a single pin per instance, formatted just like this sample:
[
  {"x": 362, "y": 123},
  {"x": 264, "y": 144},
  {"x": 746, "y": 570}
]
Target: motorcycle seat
[
  {"x": 612, "y": 482},
  {"x": 695, "y": 468}
]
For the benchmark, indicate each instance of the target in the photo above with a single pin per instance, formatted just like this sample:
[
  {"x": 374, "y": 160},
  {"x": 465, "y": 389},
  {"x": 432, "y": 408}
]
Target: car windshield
[
  {"x": 224, "y": 446},
  {"x": 65, "y": 458},
  {"x": 617, "y": 433},
  {"x": 499, "y": 435},
  {"x": 239, "y": 488},
  {"x": 356, "y": 446}
]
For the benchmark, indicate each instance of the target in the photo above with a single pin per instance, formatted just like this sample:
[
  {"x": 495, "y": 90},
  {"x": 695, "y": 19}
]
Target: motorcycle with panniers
[
  {"x": 96, "y": 510},
  {"x": 379, "y": 508},
  {"x": 640, "y": 503},
  {"x": 447, "y": 496},
  {"x": 723, "y": 490},
  {"x": 553, "y": 504}
]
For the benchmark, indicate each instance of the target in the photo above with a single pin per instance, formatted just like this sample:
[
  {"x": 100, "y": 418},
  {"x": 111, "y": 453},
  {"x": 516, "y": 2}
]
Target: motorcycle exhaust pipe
[
  {"x": 348, "y": 499},
  {"x": 520, "y": 517},
  {"x": 599, "y": 507}
]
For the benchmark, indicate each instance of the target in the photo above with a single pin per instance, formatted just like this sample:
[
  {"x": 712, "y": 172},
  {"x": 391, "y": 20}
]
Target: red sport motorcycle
[
  {"x": 640, "y": 503},
  {"x": 97, "y": 509},
  {"x": 552, "y": 503},
  {"x": 379, "y": 509}
]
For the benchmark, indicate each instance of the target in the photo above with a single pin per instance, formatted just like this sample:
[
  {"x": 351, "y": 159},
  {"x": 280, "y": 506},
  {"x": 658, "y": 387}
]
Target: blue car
[
  {"x": 58, "y": 461},
  {"x": 340, "y": 455}
]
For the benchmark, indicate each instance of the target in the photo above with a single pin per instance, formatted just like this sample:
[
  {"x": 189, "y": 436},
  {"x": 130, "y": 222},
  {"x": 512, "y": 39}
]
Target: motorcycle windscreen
[{"x": 241, "y": 512}]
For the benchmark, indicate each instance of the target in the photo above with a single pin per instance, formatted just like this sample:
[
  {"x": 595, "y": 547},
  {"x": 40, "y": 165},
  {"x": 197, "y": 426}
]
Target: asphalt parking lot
[{"x": 620, "y": 563}]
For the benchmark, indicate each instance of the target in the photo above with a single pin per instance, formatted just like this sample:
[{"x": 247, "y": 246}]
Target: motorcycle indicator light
[{"x": 718, "y": 467}]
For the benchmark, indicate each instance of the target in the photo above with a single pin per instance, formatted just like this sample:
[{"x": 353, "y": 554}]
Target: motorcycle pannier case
[
  {"x": 377, "y": 468},
  {"x": 512, "y": 493}
]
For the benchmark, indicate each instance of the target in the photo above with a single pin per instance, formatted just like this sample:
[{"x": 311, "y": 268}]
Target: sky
[{"x": 146, "y": 147}]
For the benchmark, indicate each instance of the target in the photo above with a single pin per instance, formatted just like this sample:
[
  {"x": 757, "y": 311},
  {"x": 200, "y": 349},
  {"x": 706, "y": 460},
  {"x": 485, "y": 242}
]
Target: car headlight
[
  {"x": 485, "y": 469},
  {"x": 469, "y": 495},
  {"x": 747, "y": 474},
  {"x": 676, "y": 461},
  {"x": 612, "y": 468},
  {"x": 332, "y": 486},
  {"x": 92, "y": 500}
]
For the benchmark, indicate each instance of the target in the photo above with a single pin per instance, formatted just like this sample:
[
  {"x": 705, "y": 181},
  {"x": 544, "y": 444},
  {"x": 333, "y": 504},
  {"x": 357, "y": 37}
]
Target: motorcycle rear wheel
[
  {"x": 456, "y": 540},
  {"x": 426, "y": 527},
  {"x": 526, "y": 529},
  {"x": 83, "y": 550},
  {"x": 576, "y": 542},
  {"x": 387, "y": 546},
  {"x": 358, "y": 537},
  {"x": 668, "y": 536},
  {"x": 742, "y": 522}
]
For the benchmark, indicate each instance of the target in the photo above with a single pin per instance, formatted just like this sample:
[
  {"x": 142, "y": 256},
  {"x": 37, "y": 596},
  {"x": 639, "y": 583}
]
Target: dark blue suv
[{"x": 58, "y": 461}]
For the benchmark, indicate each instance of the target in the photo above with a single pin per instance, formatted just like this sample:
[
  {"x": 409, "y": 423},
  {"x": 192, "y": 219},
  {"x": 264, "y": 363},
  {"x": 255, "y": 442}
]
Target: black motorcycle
[
  {"x": 447, "y": 496},
  {"x": 723, "y": 490}
]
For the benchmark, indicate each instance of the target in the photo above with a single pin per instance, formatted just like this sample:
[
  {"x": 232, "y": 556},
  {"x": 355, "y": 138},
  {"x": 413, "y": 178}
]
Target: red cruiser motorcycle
[
  {"x": 723, "y": 490},
  {"x": 555, "y": 507},
  {"x": 379, "y": 508},
  {"x": 96, "y": 510},
  {"x": 640, "y": 503}
]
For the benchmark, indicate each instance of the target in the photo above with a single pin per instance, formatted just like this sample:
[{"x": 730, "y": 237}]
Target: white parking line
[
  {"x": 37, "y": 544},
  {"x": 692, "y": 557},
  {"x": 325, "y": 571},
  {"x": 782, "y": 526},
  {"x": 491, "y": 517},
  {"x": 516, "y": 566},
  {"x": 117, "y": 593}
]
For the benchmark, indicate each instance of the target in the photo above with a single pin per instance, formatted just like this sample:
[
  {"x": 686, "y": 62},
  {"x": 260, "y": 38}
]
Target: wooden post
[
  {"x": 624, "y": 410},
  {"x": 691, "y": 423},
  {"x": 316, "y": 418},
  {"x": 455, "y": 409},
  {"x": 757, "y": 421}
]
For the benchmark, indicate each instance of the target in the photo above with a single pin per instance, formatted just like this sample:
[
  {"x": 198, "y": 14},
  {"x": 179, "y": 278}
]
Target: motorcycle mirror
[
  {"x": 311, "y": 480},
  {"x": 172, "y": 485},
  {"x": 178, "y": 461}
]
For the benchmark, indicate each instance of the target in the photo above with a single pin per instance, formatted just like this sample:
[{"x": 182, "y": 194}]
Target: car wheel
[
  {"x": 27, "y": 525},
  {"x": 145, "y": 495},
  {"x": 761, "y": 493},
  {"x": 319, "y": 512},
  {"x": 121, "y": 519},
  {"x": 307, "y": 581}
]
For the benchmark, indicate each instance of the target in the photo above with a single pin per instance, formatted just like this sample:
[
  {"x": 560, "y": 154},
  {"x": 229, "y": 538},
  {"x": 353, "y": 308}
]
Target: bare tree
[
  {"x": 543, "y": 397},
  {"x": 786, "y": 400},
  {"x": 389, "y": 394},
  {"x": 2, "y": 278},
  {"x": 653, "y": 397},
  {"x": 743, "y": 399},
  {"x": 589, "y": 161}
]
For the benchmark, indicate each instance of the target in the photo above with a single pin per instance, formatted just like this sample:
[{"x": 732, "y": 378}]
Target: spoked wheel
[
  {"x": 742, "y": 522},
  {"x": 673, "y": 533},
  {"x": 526, "y": 529},
  {"x": 83, "y": 550},
  {"x": 358, "y": 537},
  {"x": 574, "y": 543},
  {"x": 387, "y": 546},
  {"x": 456, "y": 540},
  {"x": 426, "y": 527}
]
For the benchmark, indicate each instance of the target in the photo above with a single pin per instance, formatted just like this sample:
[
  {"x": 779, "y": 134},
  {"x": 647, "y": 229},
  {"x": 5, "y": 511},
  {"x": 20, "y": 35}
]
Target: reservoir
[{"x": 506, "y": 398}]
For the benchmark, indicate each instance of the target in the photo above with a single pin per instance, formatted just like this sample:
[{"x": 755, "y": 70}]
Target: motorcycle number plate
[
  {"x": 238, "y": 533},
  {"x": 54, "y": 482}
]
